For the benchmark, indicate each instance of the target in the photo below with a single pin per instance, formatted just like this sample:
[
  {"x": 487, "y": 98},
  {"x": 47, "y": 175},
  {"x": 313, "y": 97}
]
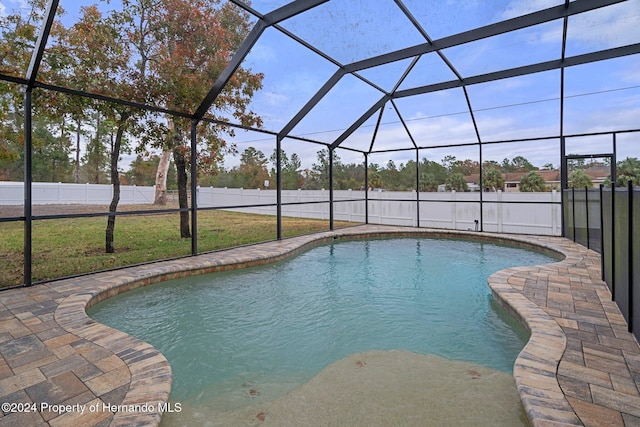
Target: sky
[{"x": 601, "y": 96}]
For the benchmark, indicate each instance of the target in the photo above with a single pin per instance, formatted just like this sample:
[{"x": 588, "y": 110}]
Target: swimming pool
[{"x": 247, "y": 336}]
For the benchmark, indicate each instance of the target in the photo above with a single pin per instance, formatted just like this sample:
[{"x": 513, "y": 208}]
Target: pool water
[{"x": 267, "y": 330}]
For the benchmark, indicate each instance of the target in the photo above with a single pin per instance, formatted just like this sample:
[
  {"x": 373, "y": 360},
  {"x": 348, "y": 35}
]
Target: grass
[{"x": 65, "y": 247}]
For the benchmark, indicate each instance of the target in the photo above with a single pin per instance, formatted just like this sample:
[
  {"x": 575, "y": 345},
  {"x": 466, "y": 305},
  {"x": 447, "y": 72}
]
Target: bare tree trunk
[
  {"x": 181, "y": 169},
  {"x": 76, "y": 169},
  {"x": 161, "y": 179},
  {"x": 96, "y": 178},
  {"x": 115, "y": 180}
]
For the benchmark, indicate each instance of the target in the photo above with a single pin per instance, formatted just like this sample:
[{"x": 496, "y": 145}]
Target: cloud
[
  {"x": 274, "y": 98},
  {"x": 622, "y": 119},
  {"x": 630, "y": 74},
  {"x": 261, "y": 54},
  {"x": 523, "y": 7},
  {"x": 432, "y": 131},
  {"x": 282, "y": 97},
  {"x": 464, "y": 4},
  {"x": 13, "y": 6},
  {"x": 614, "y": 25}
]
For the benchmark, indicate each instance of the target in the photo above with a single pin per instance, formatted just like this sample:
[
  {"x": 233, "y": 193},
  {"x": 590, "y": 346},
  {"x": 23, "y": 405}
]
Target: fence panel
[
  {"x": 580, "y": 216},
  {"x": 529, "y": 213},
  {"x": 60, "y": 193},
  {"x": 593, "y": 224},
  {"x": 11, "y": 193},
  {"x": 607, "y": 239},
  {"x": 568, "y": 209},
  {"x": 526, "y": 213},
  {"x": 621, "y": 249}
]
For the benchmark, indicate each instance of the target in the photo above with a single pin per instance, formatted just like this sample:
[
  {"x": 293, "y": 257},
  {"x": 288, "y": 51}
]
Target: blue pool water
[{"x": 283, "y": 323}]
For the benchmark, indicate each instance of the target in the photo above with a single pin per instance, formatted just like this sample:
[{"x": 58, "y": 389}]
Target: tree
[
  {"x": 428, "y": 182},
  {"x": 50, "y": 161},
  {"x": 98, "y": 60},
  {"x": 492, "y": 179},
  {"x": 97, "y": 157},
  {"x": 518, "y": 164},
  {"x": 50, "y": 157},
  {"x": 291, "y": 177},
  {"x": 627, "y": 170},
  {"x": 407, "y": 176},
  {"x": 491, "y": 164},
  {"x": 532, "y": 182},
  {"x": 349, "y": 176},
  {"x": 375, "y": 180},
  {"x": 578, "y": 179},
  {"x": 319, "y": 174},
  {"x": 436, "y": 170},
  {"x": 142, "y": 171},
  {"x": 448, "y": 162},
  {"x": 253, "y": 171},
  {"x": 191, "y": 42},
  {"x": 522, "y": 165},
  {"x": 160, "y": 182},
  {"x": 290, "y": 169},
  {"x": 18, "y": 34},
  {"x": 576, "y": 164},
  {"x": 456, "y": 182},
  {"x": 466, "y": 167}
]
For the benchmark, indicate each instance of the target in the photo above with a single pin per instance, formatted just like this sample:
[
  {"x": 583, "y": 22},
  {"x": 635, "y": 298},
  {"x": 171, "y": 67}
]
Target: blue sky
[{"x": 601, "y": 96}]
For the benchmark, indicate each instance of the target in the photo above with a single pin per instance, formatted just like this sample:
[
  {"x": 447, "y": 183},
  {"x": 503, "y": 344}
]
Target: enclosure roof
[{"x": 376, "y": 75}]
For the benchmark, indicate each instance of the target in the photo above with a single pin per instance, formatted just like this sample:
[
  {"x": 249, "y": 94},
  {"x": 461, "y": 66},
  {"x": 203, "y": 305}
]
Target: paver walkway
[{"x": 60, "y": 368}]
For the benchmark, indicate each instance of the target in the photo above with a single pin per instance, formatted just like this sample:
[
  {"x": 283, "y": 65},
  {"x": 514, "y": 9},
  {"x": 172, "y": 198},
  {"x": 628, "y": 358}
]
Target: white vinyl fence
[
  {"x": 58, "y": 193},
  {"x": 528, "y": 213}
]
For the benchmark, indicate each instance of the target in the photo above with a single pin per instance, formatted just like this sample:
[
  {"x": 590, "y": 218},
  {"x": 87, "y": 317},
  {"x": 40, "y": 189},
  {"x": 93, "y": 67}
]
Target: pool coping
[{"x": 52, "y": 350}]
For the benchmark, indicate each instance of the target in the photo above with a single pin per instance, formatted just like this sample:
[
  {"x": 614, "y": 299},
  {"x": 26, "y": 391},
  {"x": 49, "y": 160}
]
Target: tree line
[{"x": 256, "y": 170}]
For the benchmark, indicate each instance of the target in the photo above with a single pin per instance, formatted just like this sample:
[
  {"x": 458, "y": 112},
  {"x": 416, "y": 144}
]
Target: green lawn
[{"x": 64, "y": 247}]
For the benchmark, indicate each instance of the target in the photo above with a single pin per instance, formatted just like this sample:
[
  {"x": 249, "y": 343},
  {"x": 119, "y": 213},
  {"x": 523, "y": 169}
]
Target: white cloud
[
  {"x": 431, "y": 131},
  {"x": 274, "y": 98},
  {"x": 614, "y": 25},
  {"x": 282, "y": 97},
  {"x": 631, "y": 74},
  {"x": 261, "y": 54},
  {"x": 622, "y": 119},
  {"x": 463, "y": 4},
  {"x": 13, "y": 5},
  {"x": 523, "y": 7}
]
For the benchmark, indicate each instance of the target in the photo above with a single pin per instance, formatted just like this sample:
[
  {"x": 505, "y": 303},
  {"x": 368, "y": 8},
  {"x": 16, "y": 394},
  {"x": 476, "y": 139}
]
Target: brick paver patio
[{"x": 580, "y": 366}]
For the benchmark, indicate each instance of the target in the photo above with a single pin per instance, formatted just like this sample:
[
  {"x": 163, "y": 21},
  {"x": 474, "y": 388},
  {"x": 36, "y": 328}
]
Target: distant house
[
  {"x": 512, "y": 179},
  {"x": 473, "y": 182},
  {"x": 471, "y": 186},
  {"x": 597, "y": 173}
]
